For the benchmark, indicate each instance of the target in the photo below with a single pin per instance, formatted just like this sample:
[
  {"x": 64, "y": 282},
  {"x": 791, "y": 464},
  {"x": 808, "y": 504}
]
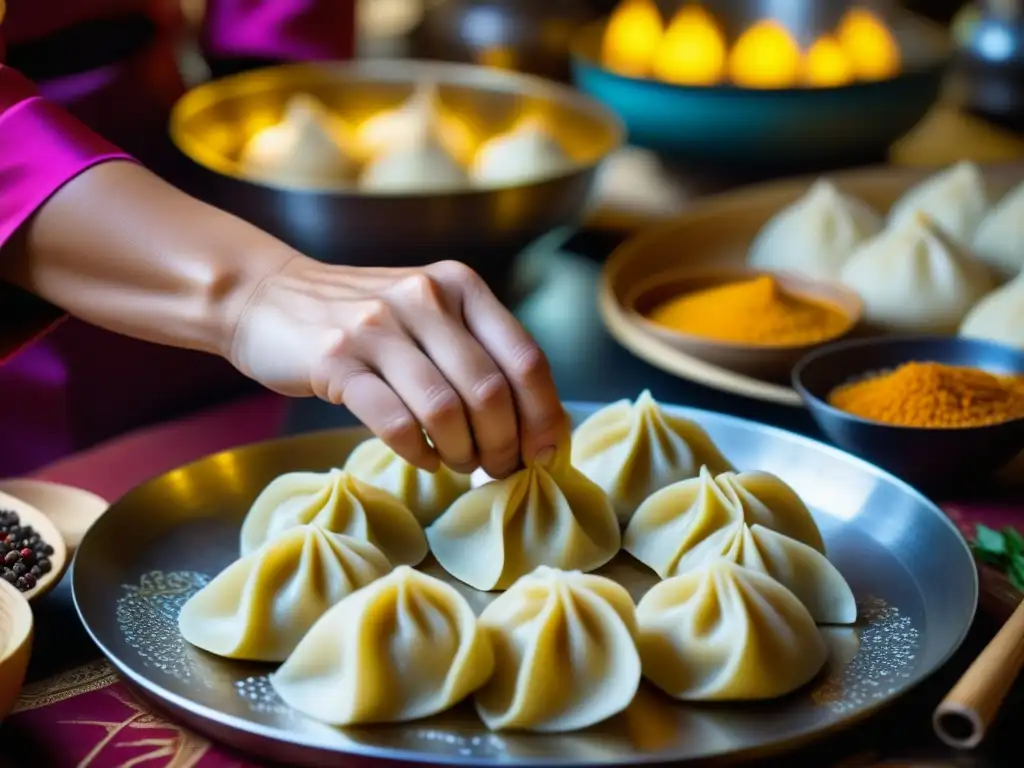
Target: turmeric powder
[
  {"x": 757, "y": 311},
  {"x": 920, "y": 394}
]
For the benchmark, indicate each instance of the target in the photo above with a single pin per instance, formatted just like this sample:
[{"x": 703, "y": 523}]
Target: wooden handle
[{"x": 967, "y": 711}]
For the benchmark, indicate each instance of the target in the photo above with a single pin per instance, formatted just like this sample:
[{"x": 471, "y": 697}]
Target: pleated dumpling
[
  {"x": 956, "y": 199},
  {"x": 815, "y": 235},
  {"x": 632, "y": 450},
  {"x": 259, "y": 607},
  {"x": 551, "y": 515},
  {"x": 727, "y": 633},
  {"x": 999, "y": 316},
  {"x": 803, "y": 570},
  {"x": 527, "y": 153},
  {"x": 565, "y": 653},
  {"x": 340, "y": 503},
  {"x": 999, "y": 241},
  {"x": 427, "y": 494},
  {"x": 914, "y": 278},
  {"x": 405, "y": 647},
  {"x": 676, "y": 519}
]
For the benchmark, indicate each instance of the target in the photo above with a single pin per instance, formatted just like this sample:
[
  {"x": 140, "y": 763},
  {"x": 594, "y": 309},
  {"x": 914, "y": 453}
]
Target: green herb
[{"x": 1004, "y": 549}]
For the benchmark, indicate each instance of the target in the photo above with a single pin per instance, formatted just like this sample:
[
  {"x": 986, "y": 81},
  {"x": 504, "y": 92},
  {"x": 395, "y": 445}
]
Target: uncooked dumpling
[
  {"x": 727, "y": 633},
  {"x": 310, "y": 146},
  {"x": 999, "y": 241},
  {"x": 632, "y": 450},
  {"x": 406, "y": 646},
  {"x": 427, "y": 494},
  {"x": 504, "y": 529},
  {"x": 815, "y": 235},
  {"x": 403, "y": 126},
  {"x": 803, "y": 570},
  {"x": 259, "y": 607},
  {"x": 338, "y": 502},
  {"x": 420, "y": 167},
  {"x": 999, "y": 316},
  {"x": 564, "y": 653},
  {"x": 676, "y": 519},
  {"x": 956, "y": 199},
  {"x": 527, "y": 153},
  {"x": 914, "y": 278}
]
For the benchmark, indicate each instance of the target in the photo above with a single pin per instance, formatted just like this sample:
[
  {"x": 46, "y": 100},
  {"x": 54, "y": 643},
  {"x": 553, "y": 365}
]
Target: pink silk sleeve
[
  {"x": 284, "y": 30},
  {"x": 42, "y": 147}
]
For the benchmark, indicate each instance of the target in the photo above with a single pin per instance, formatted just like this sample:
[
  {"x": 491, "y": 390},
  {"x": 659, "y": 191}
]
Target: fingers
[
  {"x": 476, "y": 378},
  {"x": 542, "y": 421}
]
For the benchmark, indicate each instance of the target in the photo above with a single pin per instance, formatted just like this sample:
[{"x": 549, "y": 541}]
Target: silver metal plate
[{"x": 910, "y": 569}]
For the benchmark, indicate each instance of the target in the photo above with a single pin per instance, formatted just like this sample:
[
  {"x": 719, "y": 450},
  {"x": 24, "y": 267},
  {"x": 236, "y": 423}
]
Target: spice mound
[
  {"x": 922, "y": 394},
  {"x": 24, "y": 556},
  {"x": 757, "y": 311}
]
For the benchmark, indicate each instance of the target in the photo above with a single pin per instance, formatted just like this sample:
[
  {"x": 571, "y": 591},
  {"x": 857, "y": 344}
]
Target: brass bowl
[{"x": 485, "y": 228}]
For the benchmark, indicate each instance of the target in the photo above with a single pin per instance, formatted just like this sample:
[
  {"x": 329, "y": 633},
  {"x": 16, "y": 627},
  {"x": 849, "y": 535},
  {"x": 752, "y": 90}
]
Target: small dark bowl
[{"x": 932, "y": 459}]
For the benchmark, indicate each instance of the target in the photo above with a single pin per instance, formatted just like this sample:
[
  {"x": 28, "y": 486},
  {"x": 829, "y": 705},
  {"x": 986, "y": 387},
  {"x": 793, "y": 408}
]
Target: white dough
[
  {"x": 418, "y": 167},
  {"x": 999, "y": 316},
  {"x": 526, "y": 153},
  {"x": 956, "y": 199},
  {"x": 815, "y": 235},
  {"x": 310, "y": 146},
  {"x": 999, "y": 241},
  {"x": 914, "y": 278}
]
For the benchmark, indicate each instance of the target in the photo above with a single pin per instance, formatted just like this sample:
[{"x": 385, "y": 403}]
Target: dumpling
[
  {"x": 405, "y": 647},
  {"x": 310, "y": 146},
  {"x": 815, "y": 235},
  {"x": 426, "y": 494},
  {"x": 913, "y": 278},
  {"x": 727, "y": 633},
  {"x": 504, "y": 529},
  {"x": 801, "y": 569},
  {"x": 632, "y": 450},
  {"x": 565, "y": 656},
  {"x": 999, "y": 241},
  {"x": 676, "y": 519},
  {"x": 259, "y": 607},
  {"x": 999, "y": 316},
  {"x": 403, "y": 126},
  {"x": 419, "y": 167},
  {"x": 338, "y": 502},
  {"x": 956, "y": 199},
  {"x": 527, "y": 153}
]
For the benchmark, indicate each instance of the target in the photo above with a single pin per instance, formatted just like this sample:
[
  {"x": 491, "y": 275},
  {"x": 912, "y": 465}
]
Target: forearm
[{"x": 120, "y": 248}]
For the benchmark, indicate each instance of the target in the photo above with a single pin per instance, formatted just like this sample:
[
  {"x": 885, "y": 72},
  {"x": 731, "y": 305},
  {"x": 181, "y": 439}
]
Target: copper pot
[{"x": 530, "y": 36}]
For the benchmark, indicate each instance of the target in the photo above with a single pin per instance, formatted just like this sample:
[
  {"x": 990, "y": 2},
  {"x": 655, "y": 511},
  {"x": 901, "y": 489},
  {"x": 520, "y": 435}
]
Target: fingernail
[{"x": 545, "y": 456}]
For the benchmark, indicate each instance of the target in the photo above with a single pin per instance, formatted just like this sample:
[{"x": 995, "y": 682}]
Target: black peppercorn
[{"x": 24, "y": 555}]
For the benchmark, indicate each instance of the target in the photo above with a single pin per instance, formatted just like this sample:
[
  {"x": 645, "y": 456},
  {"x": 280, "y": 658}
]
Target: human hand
[{"x": 408, "y": 351}]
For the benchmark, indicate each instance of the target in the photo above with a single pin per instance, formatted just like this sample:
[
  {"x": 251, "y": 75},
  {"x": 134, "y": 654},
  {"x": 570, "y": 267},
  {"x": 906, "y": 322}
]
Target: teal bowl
[{"x": 792, "y": 127}]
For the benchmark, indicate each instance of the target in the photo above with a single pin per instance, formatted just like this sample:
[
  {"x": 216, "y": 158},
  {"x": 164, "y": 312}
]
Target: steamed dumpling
[
  {"x": 999, "y": 316},
  {"x": 999, "y": 241},
  {"x": 310, "y": 146},
  {"x": 815, "y": 235},
  {"x": 956, "y": 199},
  {"x": 564, "y": 653},
  {"x": 914, "y": 278},
  {"x": 727, "y": 633},
  {"x": 403, "y": 126},
  {"x": 504, "y": 529},
  {"x": 259, "y": 607},
  {"x": 676, "y": 519},
  {"x": 803, "y": 570},
  {"x": 632, "y": 450},
  {"x": 419, "y": 167},
  {"x": 526, "y": 153},
  {"x": 338, "y": 502},
  {"x": 406, "y": 646},
  {"x": 426, "y": 494}
]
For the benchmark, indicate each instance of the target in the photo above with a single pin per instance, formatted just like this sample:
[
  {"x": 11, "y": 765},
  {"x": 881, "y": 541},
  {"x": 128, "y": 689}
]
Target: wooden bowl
[
  {"x": 15, "y": 645},
  {"x": 48, "y": 531},
  {"x": 71, "y": 510},
  {"x": 764, "y": 361}
]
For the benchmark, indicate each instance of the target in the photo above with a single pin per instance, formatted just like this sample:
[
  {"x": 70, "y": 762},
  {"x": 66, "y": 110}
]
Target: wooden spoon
[
  {"x": 964, "y": 716},
  {"x": 29, "y": 515},
  {"x": 15, "y": 644}
]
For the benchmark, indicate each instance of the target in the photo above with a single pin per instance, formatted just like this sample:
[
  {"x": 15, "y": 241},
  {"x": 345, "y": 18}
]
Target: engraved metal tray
[{"x": 910, "y": 569}]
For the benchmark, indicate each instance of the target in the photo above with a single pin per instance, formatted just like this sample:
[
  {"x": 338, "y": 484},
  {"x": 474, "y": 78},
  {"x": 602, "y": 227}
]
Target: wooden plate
[{"x": 716, "y": 233}]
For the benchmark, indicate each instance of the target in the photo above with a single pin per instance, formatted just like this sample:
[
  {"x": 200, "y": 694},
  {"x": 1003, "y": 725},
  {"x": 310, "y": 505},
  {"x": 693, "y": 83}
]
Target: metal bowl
[
  {"x": 485, "y": 228},
  {"x": 789, "y": 127}
]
